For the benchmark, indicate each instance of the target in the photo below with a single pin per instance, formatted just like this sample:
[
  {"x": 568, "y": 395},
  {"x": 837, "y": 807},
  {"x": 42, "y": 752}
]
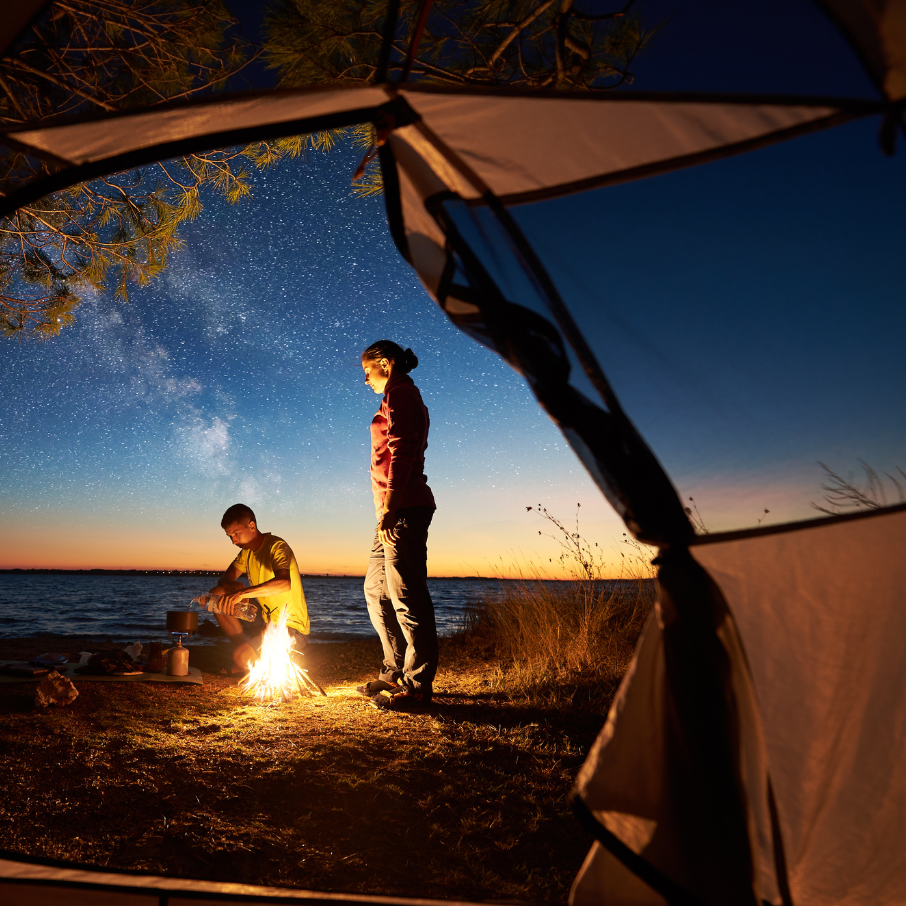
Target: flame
[{"x": 275, "y": 674}]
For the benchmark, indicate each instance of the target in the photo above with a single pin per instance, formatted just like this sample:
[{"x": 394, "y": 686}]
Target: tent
[{"x": 753, "y": 751}]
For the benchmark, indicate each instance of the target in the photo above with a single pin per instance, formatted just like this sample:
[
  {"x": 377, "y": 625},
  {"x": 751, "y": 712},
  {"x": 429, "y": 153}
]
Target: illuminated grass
[{"x": 567, "y": 644}]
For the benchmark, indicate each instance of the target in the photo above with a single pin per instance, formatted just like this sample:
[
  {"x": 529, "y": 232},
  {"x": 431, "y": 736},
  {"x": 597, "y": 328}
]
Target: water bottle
[{"x": 245, "y": 611}]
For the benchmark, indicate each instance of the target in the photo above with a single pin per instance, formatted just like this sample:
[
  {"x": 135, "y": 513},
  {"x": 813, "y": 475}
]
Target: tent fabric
[
  {"x": 653, "y": 778},
  {"x": 93, "y": 139},
  {"x": 593, "y": 141},
  {"x": 878, "y": 30},
  {"x": 820, "y": 612},
  {"x": 16, "y": 17},
  {"x": 587, "y": 140},
  {"x": 604, "y": 438},
  {"x": 24, "y": 883},
  {"x": 815, "y": 642}
]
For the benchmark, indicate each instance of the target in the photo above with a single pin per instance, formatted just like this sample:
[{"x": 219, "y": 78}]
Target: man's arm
[
  {"x": 228, "y": 582},
  {"x": 279, "y": 585}
]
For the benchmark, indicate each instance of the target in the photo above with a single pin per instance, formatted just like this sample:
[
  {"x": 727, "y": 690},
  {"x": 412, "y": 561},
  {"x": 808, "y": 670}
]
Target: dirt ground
[{"x": 467, "y": 800}]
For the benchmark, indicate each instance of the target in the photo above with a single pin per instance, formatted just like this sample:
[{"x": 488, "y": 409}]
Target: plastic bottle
[{"x": 245, "y": 610}]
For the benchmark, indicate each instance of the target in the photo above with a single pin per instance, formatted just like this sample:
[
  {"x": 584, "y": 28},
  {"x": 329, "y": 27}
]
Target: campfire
[{"x": 275, "y": 675}]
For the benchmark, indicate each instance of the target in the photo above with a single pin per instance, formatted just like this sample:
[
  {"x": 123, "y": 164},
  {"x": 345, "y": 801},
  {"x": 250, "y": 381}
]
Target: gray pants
[{"x": 399, "y": 603}]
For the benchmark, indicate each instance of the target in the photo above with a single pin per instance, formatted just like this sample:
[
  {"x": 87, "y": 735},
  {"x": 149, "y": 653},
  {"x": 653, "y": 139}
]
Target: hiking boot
[
  {"x": 405, "y": 700},
  {"x": 375, "y": 687}
]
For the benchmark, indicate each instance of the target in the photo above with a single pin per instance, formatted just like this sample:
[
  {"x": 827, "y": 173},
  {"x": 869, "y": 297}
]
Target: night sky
[
  {"x": 749, "y": 313},
  {"x": 236, "y": 377}
]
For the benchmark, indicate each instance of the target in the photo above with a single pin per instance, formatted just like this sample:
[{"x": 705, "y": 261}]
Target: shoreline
[
  {"x": 48, "y": 571},
  {"x": 53, "y": 571}
]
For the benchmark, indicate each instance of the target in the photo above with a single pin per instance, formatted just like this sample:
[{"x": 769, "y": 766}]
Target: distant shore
[
  {"x": 183, "y": 572},
  {"x": 111, "y": 572}
]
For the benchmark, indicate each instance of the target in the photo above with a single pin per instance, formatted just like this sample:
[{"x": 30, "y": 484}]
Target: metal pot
[{"x": 185, "y": 621}]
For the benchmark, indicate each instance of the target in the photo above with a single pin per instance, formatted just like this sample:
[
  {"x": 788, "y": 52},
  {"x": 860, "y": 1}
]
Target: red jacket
[{"x": 399, "y": 437}]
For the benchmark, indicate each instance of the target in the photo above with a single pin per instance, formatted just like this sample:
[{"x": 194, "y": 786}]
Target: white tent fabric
[
  {"x": 820, "y": 613},
  {"x": 495, "y": 135},
  {"x": 626, "y": 783},
  {"x": 878, "y": 28},
  {"x": 31, "y": 884},
  {"x": 95, "y": 140},
  {"x": 583, "y": 139}
]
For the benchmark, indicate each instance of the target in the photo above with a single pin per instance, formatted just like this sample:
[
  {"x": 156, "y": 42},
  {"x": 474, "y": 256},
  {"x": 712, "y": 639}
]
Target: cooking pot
[{"x": 184, "y": 621}]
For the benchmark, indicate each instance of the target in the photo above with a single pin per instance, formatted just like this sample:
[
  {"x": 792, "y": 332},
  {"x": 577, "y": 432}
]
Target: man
[{"x": 273, "y": 575}]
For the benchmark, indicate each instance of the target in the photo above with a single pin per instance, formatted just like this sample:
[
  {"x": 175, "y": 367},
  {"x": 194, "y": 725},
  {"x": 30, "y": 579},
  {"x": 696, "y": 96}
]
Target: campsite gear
[
  {"x": 178, "y": 659},
  {"x": 181, "y": 622},
  {"x": 22, "y": 669},
  {"x": 404, "y": 700},
  {"x": 156, "y": 660},
  {"x": 705, "y": 740},
  {"x": 245, "y": 611},
  {"x": 49, "y": 660},
  {"x": 114, "y": 662},
  {"x": 375, "y": 687}
]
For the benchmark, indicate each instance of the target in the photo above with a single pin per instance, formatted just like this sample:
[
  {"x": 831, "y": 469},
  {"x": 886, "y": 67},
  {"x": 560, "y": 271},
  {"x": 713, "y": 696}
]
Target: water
[{"x": 134, "y": 608}]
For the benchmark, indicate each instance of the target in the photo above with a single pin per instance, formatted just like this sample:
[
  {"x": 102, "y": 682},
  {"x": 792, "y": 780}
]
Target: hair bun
[{"x": 404, "y": 359}]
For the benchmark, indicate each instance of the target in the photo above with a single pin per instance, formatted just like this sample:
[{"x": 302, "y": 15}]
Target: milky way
[{"x": 236, "y": 376}]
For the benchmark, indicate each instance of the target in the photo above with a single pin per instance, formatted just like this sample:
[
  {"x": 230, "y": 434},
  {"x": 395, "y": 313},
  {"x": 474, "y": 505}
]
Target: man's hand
[
  {"x": 387, "y": 527},
  {"x": 229, "y": 603}
]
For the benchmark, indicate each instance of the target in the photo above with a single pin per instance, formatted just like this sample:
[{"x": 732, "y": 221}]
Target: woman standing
[{"x": 396, "y": 584}]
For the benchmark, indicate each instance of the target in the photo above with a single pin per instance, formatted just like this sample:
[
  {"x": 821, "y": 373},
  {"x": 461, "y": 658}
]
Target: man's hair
[{"x": 240, "y": 513}]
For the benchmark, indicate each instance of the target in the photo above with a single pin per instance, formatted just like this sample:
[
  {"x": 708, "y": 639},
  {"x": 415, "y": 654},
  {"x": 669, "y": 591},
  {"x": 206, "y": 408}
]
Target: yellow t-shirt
[{"x": 261, "y": 565}]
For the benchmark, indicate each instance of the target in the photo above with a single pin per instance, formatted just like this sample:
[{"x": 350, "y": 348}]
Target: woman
[{"x": 396, "y": 584}]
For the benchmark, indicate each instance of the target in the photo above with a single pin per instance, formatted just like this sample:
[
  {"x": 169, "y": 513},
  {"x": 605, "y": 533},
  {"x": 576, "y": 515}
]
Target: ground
[{"x": 468, "y": 800}]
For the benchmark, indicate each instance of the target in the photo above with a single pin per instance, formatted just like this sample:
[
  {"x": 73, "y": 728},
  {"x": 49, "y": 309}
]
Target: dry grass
[{"x": 567, "y": 644}]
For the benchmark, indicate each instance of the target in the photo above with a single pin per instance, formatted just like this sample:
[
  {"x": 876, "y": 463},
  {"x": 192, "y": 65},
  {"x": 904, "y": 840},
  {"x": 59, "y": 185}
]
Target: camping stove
[{"x": 180, "y": 625}]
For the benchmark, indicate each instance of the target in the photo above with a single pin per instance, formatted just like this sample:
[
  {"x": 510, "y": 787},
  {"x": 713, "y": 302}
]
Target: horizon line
[{"x": 46, "y": 570}]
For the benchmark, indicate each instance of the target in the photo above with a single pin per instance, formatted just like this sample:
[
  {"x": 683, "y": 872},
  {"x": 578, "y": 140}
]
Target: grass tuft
[{"x": 566, "y": 643}]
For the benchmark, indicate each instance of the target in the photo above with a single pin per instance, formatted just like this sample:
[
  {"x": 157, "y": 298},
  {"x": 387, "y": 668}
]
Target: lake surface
[{"x": 134, "y": 608}]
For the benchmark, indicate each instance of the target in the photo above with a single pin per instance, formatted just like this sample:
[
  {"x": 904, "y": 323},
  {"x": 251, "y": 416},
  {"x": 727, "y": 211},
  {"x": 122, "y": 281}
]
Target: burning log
[{"x": 275, "y": 674}]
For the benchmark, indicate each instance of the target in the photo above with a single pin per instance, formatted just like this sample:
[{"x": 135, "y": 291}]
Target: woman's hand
[{"x": 387, "y": 527}]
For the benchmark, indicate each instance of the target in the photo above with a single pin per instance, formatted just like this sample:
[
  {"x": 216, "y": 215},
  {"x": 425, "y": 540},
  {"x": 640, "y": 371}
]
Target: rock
[
  {"x": 209, "y": 628},
  {"x": 55, "y": 689}
]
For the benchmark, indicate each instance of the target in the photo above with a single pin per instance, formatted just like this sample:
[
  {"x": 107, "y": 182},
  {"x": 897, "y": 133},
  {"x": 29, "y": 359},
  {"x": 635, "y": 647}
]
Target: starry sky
[
  {"x": 237, "y": 377},
  {"x": 749, "y": 314}
]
